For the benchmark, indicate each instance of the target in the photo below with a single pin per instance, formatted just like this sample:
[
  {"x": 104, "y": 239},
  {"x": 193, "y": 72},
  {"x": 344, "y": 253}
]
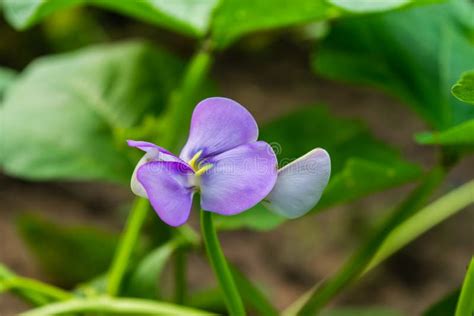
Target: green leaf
[
  {"x": 360, "y": 311},
  {"x": 257, "y": 218},
  {"x": 419, "y": 67},
  {"x": 464, "y": 87},
  {"x": 360, "y": 163},
  {"x": 462, "y": 134},
  {"x": 67, "y": 254},
  {"x": 446, "y": 306},
  {"x": 187, "y": 16},
  {"x": 366, "y": 6},
  {"x": 356, "y": 265},
  {"x": 236, "y": 18},
  {"x": 465, "y": 304},
  {"x": 76, "y": 105},
  {"x": 6, "y": 78},
  {"x": 252, "y": 295},
  {"x": 425, "y": 219},
  {"x": 144, "y": 279}
]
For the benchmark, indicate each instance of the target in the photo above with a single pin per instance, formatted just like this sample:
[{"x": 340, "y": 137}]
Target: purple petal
[
  {"x": 239, "y": 179},
  {"x": 219, "y": 124},
  {"x": 167, "y": 187},
  {"x": 152, "y": 153},
  {"x": 300, "y": 184}
]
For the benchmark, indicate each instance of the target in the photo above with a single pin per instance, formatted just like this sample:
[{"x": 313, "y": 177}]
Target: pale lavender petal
[
  {"x": 152, "y": 153},
  {"x": 239, "y": 179},
  {"x": 167, "y": 187},
  {"x": 219, "y": 124},
  {"x": 300, "y": 184}
]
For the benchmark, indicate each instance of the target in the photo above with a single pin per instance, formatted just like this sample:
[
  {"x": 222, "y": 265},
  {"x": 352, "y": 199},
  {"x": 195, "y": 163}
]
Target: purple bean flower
[
  {"x": 222, "y": 160},
  {"x": 300, "y": 184},
  {"x": 232, "y": 171}
]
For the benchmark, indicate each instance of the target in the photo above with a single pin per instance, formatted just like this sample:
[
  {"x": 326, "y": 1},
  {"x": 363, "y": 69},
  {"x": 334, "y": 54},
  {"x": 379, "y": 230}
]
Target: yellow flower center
[{"x": 198, "y": 169}]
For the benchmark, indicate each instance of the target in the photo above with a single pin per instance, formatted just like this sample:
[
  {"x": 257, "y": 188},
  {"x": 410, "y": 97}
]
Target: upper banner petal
[
  {"x": 239, "y": 178},
  {"x": 300, "y": 184},
  {"x": 167, "y": 187},
  {"x": 219, "y": 124}
]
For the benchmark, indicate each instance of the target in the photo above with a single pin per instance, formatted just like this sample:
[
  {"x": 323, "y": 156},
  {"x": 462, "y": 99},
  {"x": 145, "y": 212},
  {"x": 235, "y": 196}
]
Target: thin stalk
[
  {"x": 126, "y": 245},
  {"x": 357, "y": 264},
  {"x": 220, "y": 266},
  {"x": 183, "y": 99},
  {"x": 17, "y": 283},
  {"x": 114, "y": 306}
]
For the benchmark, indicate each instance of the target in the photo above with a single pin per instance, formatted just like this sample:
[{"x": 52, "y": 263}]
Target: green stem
[
  {"x": 183, "y": 99},
  {"x": 108, "y": 305},
  {"x": 180, "y": 276},
  {"x": 220, "y": 266},
  {"x": 355, "y": 266},
  {"x": 17, "y": 283},
  {"x": 126, "y": 245}
]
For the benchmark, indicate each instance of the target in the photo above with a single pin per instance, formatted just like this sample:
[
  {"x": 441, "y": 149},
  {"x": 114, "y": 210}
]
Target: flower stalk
[
  {"x": 219, "y": 265},
  {"x": 126, "y": 245}
]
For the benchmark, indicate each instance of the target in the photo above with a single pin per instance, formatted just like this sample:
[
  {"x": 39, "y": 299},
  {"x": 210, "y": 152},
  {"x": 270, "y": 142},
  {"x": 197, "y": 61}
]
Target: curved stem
[
  {"x": 108, "y": 305},
  {"x": 38, "y": 287},
  {"x": 126, "y": 245},
  {"x": 220, "y": 267}
]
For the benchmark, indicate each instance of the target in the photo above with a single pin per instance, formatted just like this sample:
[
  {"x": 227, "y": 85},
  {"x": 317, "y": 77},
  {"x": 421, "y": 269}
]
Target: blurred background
[{"x": 270, "y": 73}]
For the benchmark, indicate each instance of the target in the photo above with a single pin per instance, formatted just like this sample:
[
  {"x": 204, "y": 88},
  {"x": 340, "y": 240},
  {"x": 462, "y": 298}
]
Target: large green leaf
[
  {"x": 235, "y": 18},
  {"x": 61, "y": 118},
  {"x": 360, "y": 163},
  {"x": 187, "y": 16},
  {"x": 416, "y": 55},
  {"x": 6, "y": 78},
  {"x": 67, "y": 254},
  {"x": 464, "y": 87},
  {"x": 257, "y": 218}
]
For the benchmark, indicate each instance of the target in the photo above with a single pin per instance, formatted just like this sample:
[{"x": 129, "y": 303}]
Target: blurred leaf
[
  {"x": 252, "y": 295},
  {"x": 364, "y": 6},
  {"x": 256, "y": 218},
  {"x": 144, "y": 279},
  {"x": 6, "y": 78},
  {"x": 462, "y": 134},
  {"x": 465, "y": 305},
  {"x": 76, "y": 104},
  {"x": 464, "y": 87},
  {"x": 360, "y": 164},
  {"x": 446, "y": 306},
  {"x": 235, "y": 18},
  {"x": 425, "y": 219},
  {"x": 361, "y": 311},
  {"x": 356, "y": 265},
  {"x": 187, "y": 16},
  {"x": 68, "y": 254},
  {"x": 419, "y": 67}
]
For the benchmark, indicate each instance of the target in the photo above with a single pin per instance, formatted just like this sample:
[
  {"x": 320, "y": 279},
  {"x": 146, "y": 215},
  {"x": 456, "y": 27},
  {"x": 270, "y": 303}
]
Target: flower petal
[
  {"x": 219, "y": 124},
  {"x": 239, "y": 179},
  {"x": 167, "y": 187},
  {"x": 152, "y": 153},
  {"x": 300, "y": 184}
]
